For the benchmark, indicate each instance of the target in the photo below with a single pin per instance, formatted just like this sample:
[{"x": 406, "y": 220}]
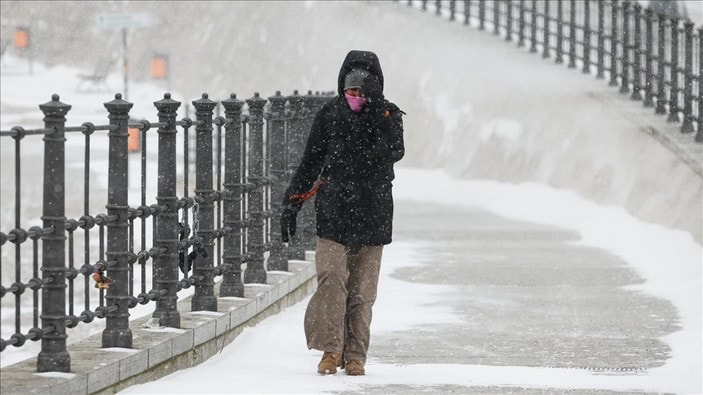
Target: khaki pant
[{"x": 339, "y": 313}]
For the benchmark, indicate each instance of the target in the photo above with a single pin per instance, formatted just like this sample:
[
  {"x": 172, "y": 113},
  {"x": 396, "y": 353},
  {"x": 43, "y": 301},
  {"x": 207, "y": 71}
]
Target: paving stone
[
  {"x": 160, "y": 352},
  {"x": 134, "y": 364},
  {"x": 182, "y": 342},
  {"x": 242, "y": 312},
  {"x": 260, "y": 293}
]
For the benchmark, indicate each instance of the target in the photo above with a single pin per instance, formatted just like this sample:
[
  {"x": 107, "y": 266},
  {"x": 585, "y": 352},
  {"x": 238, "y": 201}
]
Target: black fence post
[
  {"x": 117, "y": 332},
  {"x": 533, "y": 27},
  {"x": 278, "y": 260},
  {"x": 572, "y": 35},
  {"x": 232, "y": 213},
  {"x": 203, "y": 267},
  {"x": 637, "y": 52},
  {"x": 699, "y": 133},
  {"x": 467, "y": 11},
  {"x": 649, "y": 59},
  {"x": 601, "y": 41},
  {"x": 687, "y": 126},
  {"x": 438, "y": 7},
  {"x": 165, "y": 269},
  {"x": 509, "y": 20},
  {"x": 296, "y": 145},
  {"x": 545, "y": 40},
  {"x": 452, "y": 10},
  {"x": 481, "y": 14},
  {"x": 560, "y": 32},
  {"x": 614, "y": 44},
  {"x": 661, "y": 77},
  {"x": 496, "y": 17},
  {"x": 587, "y": 36},
  {"x": 625, "y": 77},
  {"x": 521, "y": 25},
  {"x": 255, "y": 272},
  {"x": 674, "y": 73},
  {"x": 53, "y": 355},
  {"x": 424, "y": 5}
]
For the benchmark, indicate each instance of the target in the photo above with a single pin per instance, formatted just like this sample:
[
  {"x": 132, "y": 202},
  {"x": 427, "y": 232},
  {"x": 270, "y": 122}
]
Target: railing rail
[
  {"x": 654, "y": 57},
  {"x": 206, "y": 232}
]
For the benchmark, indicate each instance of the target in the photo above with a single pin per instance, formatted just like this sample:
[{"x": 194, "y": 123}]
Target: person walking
[{"x": 355, "y": 140}]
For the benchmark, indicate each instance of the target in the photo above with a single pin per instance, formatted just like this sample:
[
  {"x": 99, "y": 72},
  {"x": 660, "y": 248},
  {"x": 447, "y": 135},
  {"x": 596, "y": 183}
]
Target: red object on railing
[{"x": 133, "y": 140}]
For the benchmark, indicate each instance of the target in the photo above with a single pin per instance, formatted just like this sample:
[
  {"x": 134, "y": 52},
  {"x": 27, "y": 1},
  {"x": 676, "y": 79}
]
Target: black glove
[
  {"x": 373, "y": 92},
  {"x": 288, "y": 220}
]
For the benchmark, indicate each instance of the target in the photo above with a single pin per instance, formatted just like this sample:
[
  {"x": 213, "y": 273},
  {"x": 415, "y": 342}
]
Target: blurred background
[{"x": 477, "y": 107}]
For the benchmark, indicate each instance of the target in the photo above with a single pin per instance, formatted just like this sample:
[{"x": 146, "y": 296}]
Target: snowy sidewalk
[{"x": 475, "y": 297}]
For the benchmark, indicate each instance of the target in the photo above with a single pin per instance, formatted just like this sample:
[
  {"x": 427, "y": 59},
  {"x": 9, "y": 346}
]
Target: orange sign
[
  {"x": 133, "y": 140},
  {"x": 22, "y": 37},
  {"x": 159, "y": 67}
]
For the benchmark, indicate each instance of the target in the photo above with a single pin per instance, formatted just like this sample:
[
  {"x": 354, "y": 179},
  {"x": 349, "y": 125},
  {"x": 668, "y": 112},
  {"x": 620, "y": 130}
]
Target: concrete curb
[{"x": 159, "y": 352}]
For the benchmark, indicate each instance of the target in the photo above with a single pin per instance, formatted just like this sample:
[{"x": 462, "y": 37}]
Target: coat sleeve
[
  {"x": 313, "y": 158},
  {"x": 388, "y": 145},
  {"x": 396, "y": 144}
]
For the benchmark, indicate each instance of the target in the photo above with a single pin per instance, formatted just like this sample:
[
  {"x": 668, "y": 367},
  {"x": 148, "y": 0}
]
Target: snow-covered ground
[{"x": 669, "y": 260}]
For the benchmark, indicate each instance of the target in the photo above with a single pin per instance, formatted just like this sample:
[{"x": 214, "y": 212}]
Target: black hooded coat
[{"x": 353, "y": 154}]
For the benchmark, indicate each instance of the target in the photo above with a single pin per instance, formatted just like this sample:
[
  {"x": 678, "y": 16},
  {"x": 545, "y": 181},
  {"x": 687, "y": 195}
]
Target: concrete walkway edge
[{"x": 159, "y": 352}]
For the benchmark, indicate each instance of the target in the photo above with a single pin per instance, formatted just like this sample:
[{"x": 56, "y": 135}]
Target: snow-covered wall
[{"x": 477, "y": 106}]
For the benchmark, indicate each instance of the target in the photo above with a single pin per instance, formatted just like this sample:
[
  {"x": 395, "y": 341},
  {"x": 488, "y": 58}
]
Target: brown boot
[
  {"x": 329, "y": 363},
  {"x": 354, "y": 368}
]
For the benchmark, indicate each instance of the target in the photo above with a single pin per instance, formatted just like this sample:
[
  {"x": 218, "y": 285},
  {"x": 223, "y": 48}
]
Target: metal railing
[
  {"x": 655, "y": 58},
  {"x": 229, "y": 219}
]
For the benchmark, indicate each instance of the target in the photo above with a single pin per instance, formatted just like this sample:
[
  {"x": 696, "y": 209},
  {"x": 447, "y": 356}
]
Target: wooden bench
[{"x": 96, "y": 80}]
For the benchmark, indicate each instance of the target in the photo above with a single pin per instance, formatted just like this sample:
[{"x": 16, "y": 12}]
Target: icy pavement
[{"x": 478, "y": 296}]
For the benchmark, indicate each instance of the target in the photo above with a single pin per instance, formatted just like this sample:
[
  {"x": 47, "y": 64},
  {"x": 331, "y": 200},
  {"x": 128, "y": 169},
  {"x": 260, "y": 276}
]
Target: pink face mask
[{"x": 355, "y": 103}]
